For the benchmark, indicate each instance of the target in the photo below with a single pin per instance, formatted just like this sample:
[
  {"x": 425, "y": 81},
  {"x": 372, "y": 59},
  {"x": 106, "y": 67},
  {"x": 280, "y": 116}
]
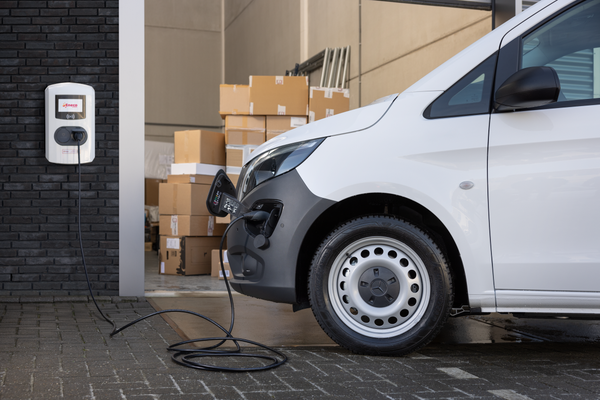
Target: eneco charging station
[{"x": 70, "y": 117}]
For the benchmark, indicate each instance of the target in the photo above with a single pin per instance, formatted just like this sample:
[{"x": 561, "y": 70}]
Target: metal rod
[
  {"x": 346, "y": 68},
  {"x": 324, "y": 70},
  {"x": 333, "y": 65},
  {"x": 339, "y": 69}
]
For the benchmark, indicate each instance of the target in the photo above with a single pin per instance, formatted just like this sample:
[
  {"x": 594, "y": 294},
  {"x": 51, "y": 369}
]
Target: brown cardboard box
[
  {"x": 199, "y": 146},
  {"x": 325, "y": 102},
  {"x": 151, "y": 191},
  {"x": 186, "y": 199},
  {"x": 256, "y": 122},
  {"x": 278, "y": 124},
  {"x": 216, "y": 264},
  {"x": 227, "y": 272},
  {"x": 190, "y": 225},
  {"x": 186, "y": 256},
  {"x": 147, "y": 246},
  {"x": 241, "y": 130},
  {"x": 237, "y": 155},
  {"x": 244, "y": 136},
  {"x": 234, "y": 99},
  {"x": 284, "y": 123},
  {"x": 278, "y": 95},
  {"x": 202, "y": 179}
]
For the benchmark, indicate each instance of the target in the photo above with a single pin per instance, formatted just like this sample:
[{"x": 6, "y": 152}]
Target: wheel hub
[{"x": 379, "y": 287}]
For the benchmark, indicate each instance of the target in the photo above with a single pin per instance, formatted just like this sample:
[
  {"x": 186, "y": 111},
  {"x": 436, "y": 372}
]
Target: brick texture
[{"x": 42, "y": 43}]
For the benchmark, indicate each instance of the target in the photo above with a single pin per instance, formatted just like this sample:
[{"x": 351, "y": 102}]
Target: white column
[
  {"x": 131, "y": 148},
  {"x": 303, "y": 30}
]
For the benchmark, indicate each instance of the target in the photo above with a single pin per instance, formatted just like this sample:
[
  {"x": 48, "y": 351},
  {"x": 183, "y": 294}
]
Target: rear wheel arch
[{"x": 383, "y": 204}]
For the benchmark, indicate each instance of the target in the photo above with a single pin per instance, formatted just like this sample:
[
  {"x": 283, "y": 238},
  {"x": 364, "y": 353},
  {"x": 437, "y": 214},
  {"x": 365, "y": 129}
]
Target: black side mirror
[
  {"x": 222, "y": 197},
  {"x": 527, "y": 88}
]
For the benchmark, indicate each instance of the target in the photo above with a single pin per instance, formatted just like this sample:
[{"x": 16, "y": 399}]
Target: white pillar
[{"x": 131, "y": 148}]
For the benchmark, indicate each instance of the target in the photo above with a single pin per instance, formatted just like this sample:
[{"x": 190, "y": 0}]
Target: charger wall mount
[{"x": 70, "y": 117}]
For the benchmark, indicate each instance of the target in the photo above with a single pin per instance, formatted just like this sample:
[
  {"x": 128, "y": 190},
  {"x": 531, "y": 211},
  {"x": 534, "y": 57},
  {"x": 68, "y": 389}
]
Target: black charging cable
[{"x": 186, "y": 356}]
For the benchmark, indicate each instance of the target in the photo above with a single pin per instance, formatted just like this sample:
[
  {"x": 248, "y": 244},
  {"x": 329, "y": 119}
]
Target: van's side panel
[{"x": 422, "y": 160}]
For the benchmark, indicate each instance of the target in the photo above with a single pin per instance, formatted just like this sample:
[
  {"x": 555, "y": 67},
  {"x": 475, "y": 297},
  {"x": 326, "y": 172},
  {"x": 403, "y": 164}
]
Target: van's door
[{"x": 544, "y": 163}]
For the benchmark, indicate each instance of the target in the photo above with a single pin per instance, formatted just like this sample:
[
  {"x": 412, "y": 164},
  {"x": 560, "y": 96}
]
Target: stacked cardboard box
[
  {"x": 188, "y": 232},
  {"x": 326, "y": 102}
]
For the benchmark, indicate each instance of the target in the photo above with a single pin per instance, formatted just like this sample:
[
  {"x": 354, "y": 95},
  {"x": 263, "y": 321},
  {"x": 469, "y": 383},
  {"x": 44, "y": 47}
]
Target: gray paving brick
[{"x": 66, "y": 349}]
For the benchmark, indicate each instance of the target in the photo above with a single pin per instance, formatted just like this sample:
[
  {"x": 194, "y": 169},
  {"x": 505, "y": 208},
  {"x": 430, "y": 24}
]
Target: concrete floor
[
  {"x": 166, "y": 285},
  {"x": 276, "y": 324}
]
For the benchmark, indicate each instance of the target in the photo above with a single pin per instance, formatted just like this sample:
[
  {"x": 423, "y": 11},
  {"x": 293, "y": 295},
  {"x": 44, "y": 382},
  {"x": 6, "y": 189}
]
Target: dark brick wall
[{"x": 41, "y": 43}]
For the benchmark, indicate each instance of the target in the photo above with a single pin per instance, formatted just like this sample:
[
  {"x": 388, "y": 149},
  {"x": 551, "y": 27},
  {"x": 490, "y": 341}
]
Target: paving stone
[{"x": 66, "y": 350}]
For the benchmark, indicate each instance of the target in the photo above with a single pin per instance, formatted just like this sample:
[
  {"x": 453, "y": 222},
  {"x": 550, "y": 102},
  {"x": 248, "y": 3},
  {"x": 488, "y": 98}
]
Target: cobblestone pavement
[{"x": 62, "y": 349}]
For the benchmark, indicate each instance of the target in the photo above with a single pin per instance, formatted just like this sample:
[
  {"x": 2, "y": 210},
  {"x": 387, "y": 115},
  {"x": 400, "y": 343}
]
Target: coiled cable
[{"x": 187, "y": 356}]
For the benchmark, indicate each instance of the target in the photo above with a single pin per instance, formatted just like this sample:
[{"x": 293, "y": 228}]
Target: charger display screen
[{"x": 70, "y": 106}]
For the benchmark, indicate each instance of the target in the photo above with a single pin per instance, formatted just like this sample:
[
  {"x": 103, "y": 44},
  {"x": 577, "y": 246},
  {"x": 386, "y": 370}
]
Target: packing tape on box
[
  {"x": 250, "y": 82},
  {"x": 280, "y": 110},
  {"x": 328, "y": 93},
  {"x": 251, "y": 109},
  {"x": 174, "y": 226},
  {"x": 329, "y": 112},
  {"x": 311, "y": 117},
  {"x": 279, "y": 80}
]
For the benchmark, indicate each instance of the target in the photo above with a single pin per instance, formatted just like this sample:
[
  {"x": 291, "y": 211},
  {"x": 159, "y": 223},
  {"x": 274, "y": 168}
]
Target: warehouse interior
[{"x": 192, "y": 47}]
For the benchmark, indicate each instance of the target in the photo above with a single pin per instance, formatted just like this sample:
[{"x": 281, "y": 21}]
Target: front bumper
[{"x": 270, "y": 273}]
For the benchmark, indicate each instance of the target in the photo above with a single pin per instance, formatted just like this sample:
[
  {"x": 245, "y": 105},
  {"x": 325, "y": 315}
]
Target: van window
[
  {"x": 469, "y": 96},
  {"x": 569, "y": 43}
]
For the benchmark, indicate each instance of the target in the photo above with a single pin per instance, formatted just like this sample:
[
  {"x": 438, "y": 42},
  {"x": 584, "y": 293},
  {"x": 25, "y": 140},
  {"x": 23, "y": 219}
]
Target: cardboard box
[
  {"x": 241, "y": 130},
  {"x": 227, "y": 272},
  {"x": 201, "y": 179},
  {"x": 182, "y": 198},
  {"x": 190, "y": 225},
  {"x": 279, "y": 95},
  {"x": 151, "y": 191},
  {"x": 238, "y": 155},
  {"x": 186, "y": 256},
  {"x": 277, "y": 124},
  {"x": 195, "y": 169},
  {"x": 243, "y": 137},
  {"x": 147, "y": 246},
  {"x": 216, "y": 264},
  {"x": 234, "y": 99},
  {"x": 325, "y": 102},
  {"x": 245, "y": 122},
  {"x": 199, "y": 146}
]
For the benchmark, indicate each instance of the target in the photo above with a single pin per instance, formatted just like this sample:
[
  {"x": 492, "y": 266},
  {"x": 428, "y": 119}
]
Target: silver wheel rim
[{"x": 379, "y": 287}]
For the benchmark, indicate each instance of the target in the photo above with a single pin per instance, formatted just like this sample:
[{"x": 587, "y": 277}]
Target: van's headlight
[{"x": 273, "y": 163}]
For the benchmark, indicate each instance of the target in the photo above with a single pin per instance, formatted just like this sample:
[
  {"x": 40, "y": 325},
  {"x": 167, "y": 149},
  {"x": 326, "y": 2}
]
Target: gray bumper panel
[{"x": 270, "y": 274}]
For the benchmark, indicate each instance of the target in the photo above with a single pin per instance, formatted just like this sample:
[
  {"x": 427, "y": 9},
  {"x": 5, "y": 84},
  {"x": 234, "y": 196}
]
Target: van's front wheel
[{"x": 379, "y": 285}]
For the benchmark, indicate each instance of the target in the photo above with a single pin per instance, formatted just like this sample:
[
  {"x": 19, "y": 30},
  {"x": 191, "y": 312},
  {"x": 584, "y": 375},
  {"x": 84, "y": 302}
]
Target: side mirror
[
  {"x": 527, "y": 88},
  {"x": 222, "y": 197}
]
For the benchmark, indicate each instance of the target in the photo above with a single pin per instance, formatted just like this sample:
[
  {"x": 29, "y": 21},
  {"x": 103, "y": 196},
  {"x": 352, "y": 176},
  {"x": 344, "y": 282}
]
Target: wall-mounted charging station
[{"x": 70, "y": 117}]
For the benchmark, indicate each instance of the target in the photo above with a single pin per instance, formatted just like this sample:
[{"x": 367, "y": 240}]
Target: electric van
[{"x": 476, "y": 190}]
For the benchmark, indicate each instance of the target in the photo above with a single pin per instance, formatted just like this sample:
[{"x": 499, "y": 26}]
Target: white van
[{"x": 476, "y": 190}]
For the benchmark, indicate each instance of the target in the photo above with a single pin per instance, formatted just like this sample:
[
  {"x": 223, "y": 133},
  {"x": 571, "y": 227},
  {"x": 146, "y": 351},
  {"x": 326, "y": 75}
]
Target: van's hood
[{"x": 350, "y": 121}]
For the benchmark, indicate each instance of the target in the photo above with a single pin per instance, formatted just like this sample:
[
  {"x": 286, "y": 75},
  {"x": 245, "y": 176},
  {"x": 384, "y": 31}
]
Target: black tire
[{"x": 380, "y": 286}]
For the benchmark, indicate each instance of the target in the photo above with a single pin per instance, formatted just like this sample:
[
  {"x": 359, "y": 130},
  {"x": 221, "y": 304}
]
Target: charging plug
[{"x": 78, "y": 135}]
